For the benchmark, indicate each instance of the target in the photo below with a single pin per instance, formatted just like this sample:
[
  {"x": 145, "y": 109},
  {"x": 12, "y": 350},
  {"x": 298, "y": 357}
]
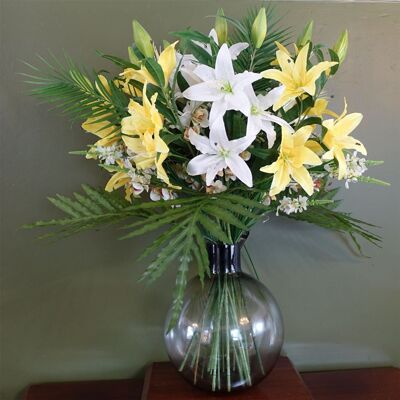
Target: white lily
[
  {"x": 187, "y": 66},
  {"x": 218, "y": 153},
  {"x": 234, "y": 50},
  {"x": 258, "y": 119},
  {"x": 222, "y": 86}
]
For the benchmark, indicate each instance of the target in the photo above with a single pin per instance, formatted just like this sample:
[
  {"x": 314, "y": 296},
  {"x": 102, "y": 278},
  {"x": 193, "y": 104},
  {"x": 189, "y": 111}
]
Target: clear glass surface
[{"x": 229, "y": 334}]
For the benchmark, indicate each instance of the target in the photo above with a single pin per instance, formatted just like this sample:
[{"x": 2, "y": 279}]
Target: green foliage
[
  {"x": 258, "y": 59},
  {"x": 75, "y": 92},
  {"x": 190, "y": 221},
  {"x": 86, "y": 211},
  {"x": 340, "y": 222}
]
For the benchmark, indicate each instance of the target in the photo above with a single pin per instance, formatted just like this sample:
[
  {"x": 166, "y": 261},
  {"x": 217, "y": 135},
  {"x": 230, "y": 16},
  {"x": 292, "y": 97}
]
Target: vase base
[{"x": 163, "y": 382}]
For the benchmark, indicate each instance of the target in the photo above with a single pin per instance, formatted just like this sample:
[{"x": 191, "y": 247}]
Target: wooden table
[
  {"x": 361, "y": 384},
  {"x": 283, "y": 383}
]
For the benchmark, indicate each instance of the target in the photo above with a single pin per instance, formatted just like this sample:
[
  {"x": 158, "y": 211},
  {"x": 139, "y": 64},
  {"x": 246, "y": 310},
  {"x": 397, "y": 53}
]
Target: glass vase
[{"x": 230, "y": 333}]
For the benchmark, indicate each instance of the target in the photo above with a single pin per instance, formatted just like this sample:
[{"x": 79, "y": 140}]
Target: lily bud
[
  {"x": 133, "y": 57},
  {"x": 142, "y": 39},
  {"x": 221, "y": 27},
  {"x": 259, "y": 28},
  {"x": 306, "y": 35},
  {"x": 340, "y": 47}
]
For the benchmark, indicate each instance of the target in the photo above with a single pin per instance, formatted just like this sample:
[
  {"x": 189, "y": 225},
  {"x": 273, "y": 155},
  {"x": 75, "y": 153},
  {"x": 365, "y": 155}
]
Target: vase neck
[{"x": 224, "y": 258}]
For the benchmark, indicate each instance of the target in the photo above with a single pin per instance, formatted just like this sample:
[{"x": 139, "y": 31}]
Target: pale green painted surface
[{"x": 74, "y": 310}]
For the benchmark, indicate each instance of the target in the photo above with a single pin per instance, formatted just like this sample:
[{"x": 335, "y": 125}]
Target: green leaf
[
  {"x": 214, "y": 229},
  {"x": 155, "y": 71},
  {"x": 192, "y": 35}
]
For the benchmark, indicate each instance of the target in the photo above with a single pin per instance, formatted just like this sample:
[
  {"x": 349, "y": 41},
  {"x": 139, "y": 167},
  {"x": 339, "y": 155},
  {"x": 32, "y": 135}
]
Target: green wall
[{"x": 73, "y": 310}]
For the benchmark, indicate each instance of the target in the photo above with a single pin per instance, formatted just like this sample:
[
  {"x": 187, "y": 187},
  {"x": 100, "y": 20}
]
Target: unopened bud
[
  {"x": 221, "y": 27},
  {"x": 306, "y": 35},
  {"x": 133, "y": 57},
  {"x": 142, "y": 39},
  {"x": 340, "y": 47},
  {"x": 259, "y": 29}
]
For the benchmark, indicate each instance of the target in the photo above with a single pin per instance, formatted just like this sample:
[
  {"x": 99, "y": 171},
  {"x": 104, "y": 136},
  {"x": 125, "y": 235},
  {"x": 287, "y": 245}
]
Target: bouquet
[{"x": 204, "y": 136}]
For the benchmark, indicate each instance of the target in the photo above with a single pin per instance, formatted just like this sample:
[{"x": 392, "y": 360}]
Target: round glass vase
[{"x": 230, "y": 332}]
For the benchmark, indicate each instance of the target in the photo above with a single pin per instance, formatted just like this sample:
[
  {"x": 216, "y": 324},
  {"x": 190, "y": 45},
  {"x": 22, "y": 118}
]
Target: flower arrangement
[{"x": 206, "y": 135}]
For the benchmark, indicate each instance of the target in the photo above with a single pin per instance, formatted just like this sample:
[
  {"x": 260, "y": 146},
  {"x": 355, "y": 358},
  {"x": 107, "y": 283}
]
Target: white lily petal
[
  {"x": 218, "y": 110},
  {"x": 268, "y": 128},
  {"x": 271, "y": 97},
  {"x": 201, "y": 143},
  {"x": 190, "y": 77},
  {"x": 239, "y": 145},
  {"x": 238, "y": 101},
  {"x": 205, "y": 91},
  {"x": 239, "y": 167},
  {"x": 213, "y": 35},
  {"x": 217, "y": 164},
  {"x": 218, "y": 137},
  {"x": 240, "y": 81},
  {"x": 200, "y": 164},
  {"x": 223, "y": 64},
  {"x": 254, "y": 125},
  {"x": 277, "y": 120},
  {"x": 205, "y": 73},
  {"x": 236, "y": 49}
]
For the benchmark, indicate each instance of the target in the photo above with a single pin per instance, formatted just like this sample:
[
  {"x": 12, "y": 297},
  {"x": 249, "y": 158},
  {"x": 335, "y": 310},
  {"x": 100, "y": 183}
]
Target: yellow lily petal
[
  {"x": 277, "y": 75},
  {"x": 282, "y": 48},
  {"x": 302, "y": 135},
  {"x": 285, "y": 62},
  {"x": 116, "y": 181},
  {"x": 280, "y": 181},
  {"x": 314, "y": 146},
  {"x": 300, "y": 66},
  {"x": 271, "y": 169},
  {"x": 348, "y": 123},
  {"x": 341, "y": 159},
  {"x": 293, "y": 155},
  {"x": 303, "y": 178},
  {"x": 308, "y": 156},
  {"x": 140, "y": 75},
  {"x": 167, "y": 61},
  {"x": 313, "y": 74}
]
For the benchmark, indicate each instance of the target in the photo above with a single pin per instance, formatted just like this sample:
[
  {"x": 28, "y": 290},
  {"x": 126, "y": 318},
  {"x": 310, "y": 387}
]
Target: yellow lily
[
  {"x": 337, "y": 138},
  {"x": 281, "y": 47},
  {"x": 167, "y": 62},
  {"x": 294, "y": 153},
  {"x": 100, "y": 127},
  {"x": 107, "y": 133},
  {"x": 320, "y": 109},
  {"x": 145, "y": 124},
  {"x": 118, "y": 180},
  {"x": 294, "y": 75}
]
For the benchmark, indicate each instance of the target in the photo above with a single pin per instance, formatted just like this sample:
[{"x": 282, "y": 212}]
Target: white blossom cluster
[
  {"x": 109, "y": 154},
  {"x": 290, "y": 205},
  {"x": 356, "y": 166}
]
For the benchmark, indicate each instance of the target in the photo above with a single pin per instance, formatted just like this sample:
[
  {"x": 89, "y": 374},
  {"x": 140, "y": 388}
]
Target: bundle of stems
[{"x": 223, "y": 340}]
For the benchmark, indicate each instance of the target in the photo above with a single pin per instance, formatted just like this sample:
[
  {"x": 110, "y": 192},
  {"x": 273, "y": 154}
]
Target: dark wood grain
[
  {"x": 123, "y": 389},
  {"x": 360, "y": 384},
  {"x": 162, "y": 382}
]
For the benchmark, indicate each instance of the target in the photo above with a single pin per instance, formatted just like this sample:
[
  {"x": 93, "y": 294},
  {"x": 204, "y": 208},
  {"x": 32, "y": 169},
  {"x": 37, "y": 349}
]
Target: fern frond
[
  {"x": 86, "y": 211},
  {"x": 340, "y": 222},
  {"x": 79, "y": 94}
]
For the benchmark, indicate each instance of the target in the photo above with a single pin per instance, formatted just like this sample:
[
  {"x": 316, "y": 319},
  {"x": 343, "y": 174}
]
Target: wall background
[{"x": 73, "y": 310}]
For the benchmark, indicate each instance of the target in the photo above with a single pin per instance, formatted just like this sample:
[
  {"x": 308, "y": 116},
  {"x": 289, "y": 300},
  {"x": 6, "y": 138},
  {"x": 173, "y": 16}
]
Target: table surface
[
  {"x": 282, "y": 383},
  {"x": 360, "y": 384}
]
